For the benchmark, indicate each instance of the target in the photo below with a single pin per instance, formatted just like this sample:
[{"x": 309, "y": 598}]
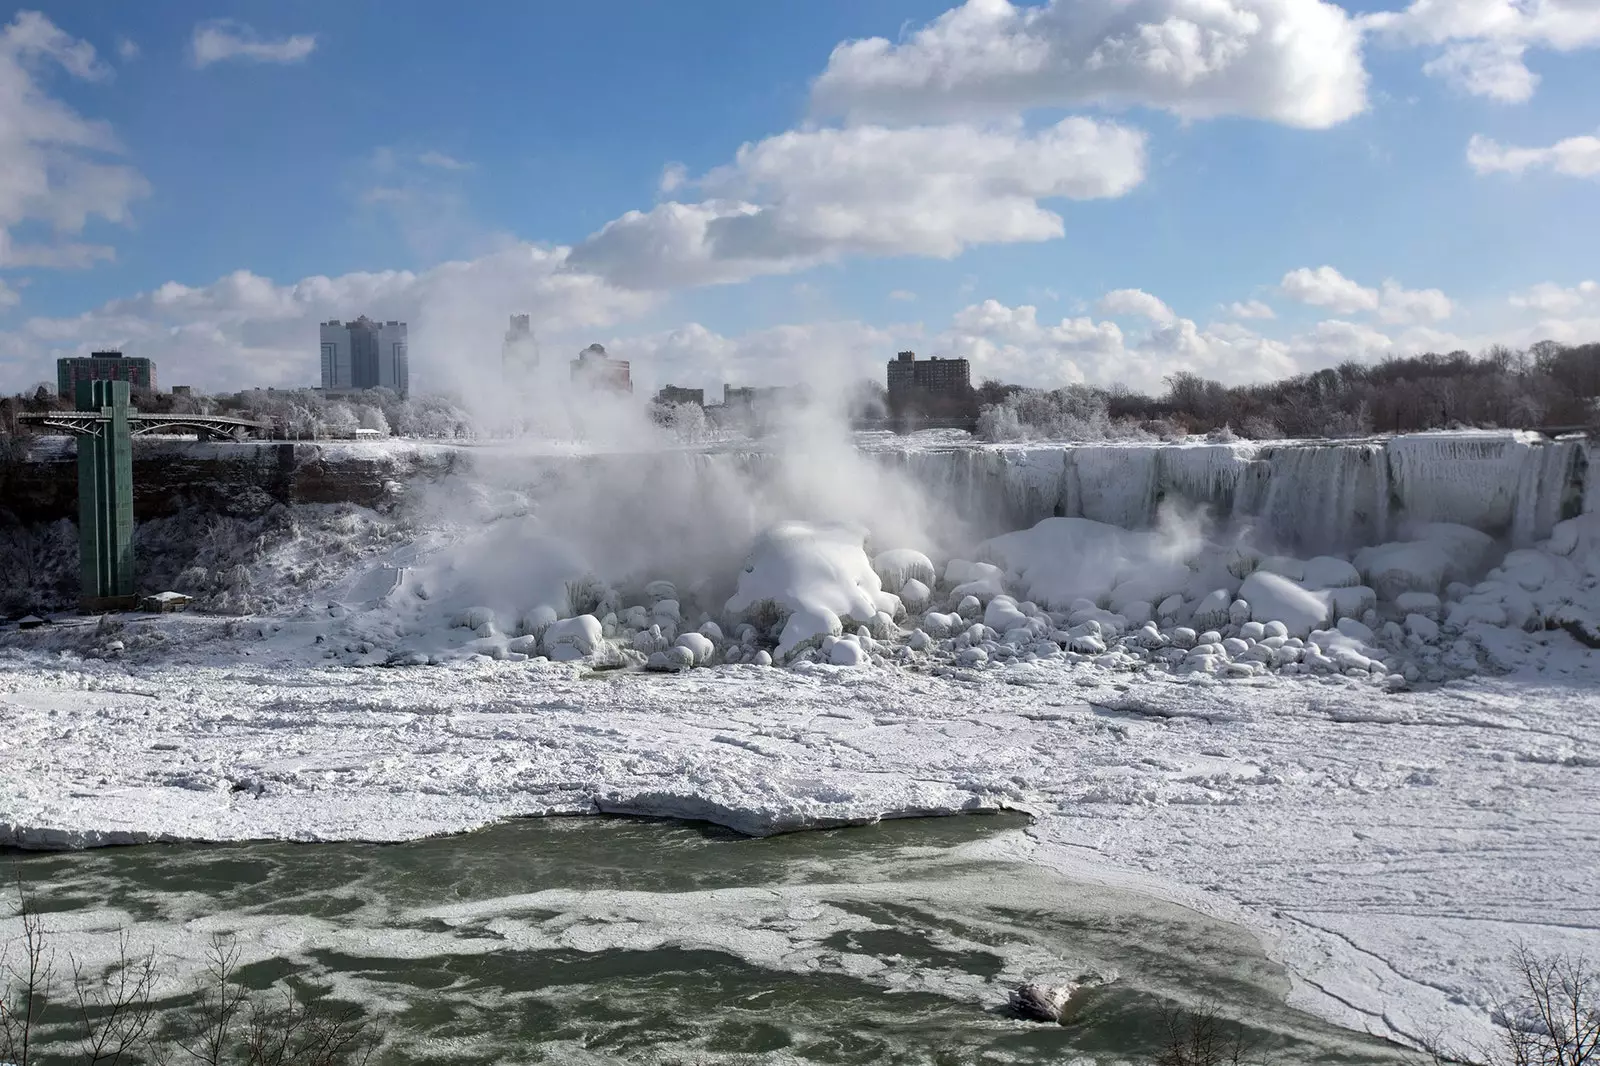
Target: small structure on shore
[{"x": 164, "y": 602}]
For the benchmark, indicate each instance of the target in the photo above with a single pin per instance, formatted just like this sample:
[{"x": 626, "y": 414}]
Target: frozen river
[{"x": 617, "y": 940}]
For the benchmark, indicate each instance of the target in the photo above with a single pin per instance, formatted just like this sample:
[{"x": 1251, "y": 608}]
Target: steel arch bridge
[{"x": 93, "y": 423}]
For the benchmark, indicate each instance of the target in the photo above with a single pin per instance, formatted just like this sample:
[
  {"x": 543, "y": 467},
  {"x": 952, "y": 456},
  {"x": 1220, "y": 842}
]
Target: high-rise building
[
  {"x": 365, "y": 355},
  {"x": 138, "y": 372},
  {"x": 936, "y": 377},
  {"x": 595, "y": 369},
  {"x": 519, "y": 355}
]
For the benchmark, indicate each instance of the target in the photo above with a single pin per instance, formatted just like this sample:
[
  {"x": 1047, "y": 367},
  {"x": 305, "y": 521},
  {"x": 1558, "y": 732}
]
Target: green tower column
[{"x": 105, "y": 498}]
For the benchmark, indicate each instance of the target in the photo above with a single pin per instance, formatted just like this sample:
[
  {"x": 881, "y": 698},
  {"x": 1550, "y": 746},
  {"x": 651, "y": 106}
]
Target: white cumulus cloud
[
  {"x": 1326, "y": 287},
  {"x": 1136, "y": 302},
  {"x": 1249, "y": 309},
  {"x": 1485, "y": 41},
  {"x": 808, "y": 197},
  {"x": 1393, "y": 303},
  {"x": 1577, "y": 157},
  {"x": 54, "y": 165},
  {"x": 1550, "y": 298},
  {"x": 1297, "y": 62},
  {"x": 217, "y": 40}
]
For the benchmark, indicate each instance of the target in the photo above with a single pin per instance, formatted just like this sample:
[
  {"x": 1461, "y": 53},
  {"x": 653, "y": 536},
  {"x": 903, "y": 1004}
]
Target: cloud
[
  {"x": 807, "y": 197},
  {"x": 673, "y": 178},
  {"x": 1326, "y": 287},
  {"x": 1550, "y": 298},
  {"x": 1297, "y": 62},
  {"x": 1486, "y": 41},
  {"x": 1249, "y": 309},
  {"x": 244, "y": 329},
  {"x": 54, "y": 168},
  {"x": 1135, "y": 302},
  {"x": 903, "y": 295},
  {"x": 1486, "y": 68},
  {"x": 1011, "y": 344},
  {"x": 1398, "y": 305},
  {"x": 221, "y": 39},
  {"x": 1577, "y": 157},
  {"x": 127, "y": 49},
  {"x": 442, "y": 161},
  {"x": 1393, "y": 303},
  {"x": 9, "y": 297}
]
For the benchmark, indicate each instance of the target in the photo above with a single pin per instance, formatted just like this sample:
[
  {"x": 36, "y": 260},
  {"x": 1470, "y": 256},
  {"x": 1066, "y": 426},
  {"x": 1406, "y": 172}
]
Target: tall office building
[
  {"x": 138, "y": 372},
  {"x": 365, "y": 355},
  {"x": 519, "y": 355}
]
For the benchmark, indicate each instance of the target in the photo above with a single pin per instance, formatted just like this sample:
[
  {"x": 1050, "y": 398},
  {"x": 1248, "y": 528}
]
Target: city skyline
[{"x": 1315, "y": 183}]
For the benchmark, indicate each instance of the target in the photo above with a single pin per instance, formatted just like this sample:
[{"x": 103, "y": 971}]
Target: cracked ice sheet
[{"x": 1390, "y": 848}]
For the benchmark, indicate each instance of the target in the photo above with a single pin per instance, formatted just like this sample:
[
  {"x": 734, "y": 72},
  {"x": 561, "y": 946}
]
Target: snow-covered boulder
[
  {"x": 899, "y": 565},
  {"x": 1329, "y": 572},
  {"x": 581, "y": 634},
  {"x": 808, "y": 578},
  {"x": 1275, "y": 598},
  {"x": 699, "y": 645},
  {"x": 915, "y": 595}
]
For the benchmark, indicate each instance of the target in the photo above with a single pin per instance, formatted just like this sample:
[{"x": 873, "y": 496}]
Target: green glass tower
[{"x": 105, "y": 498}]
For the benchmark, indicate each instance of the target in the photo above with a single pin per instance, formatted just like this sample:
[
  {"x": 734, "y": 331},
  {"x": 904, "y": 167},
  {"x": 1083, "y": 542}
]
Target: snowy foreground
[{"x": 1392, "y": 848}]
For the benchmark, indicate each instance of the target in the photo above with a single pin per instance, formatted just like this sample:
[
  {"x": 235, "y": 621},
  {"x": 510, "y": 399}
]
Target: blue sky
[{"x": 328, "y": 140}]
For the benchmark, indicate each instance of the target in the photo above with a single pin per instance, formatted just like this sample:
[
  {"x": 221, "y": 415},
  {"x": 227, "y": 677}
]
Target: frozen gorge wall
[{"x": 1298, "y": 497}]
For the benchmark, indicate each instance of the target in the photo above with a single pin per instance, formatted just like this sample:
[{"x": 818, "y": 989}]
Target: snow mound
[
  {"x": 1065, "y": 559},
  {"x": 1274, "y": 598},
  {"x": 809, "y": 578}
]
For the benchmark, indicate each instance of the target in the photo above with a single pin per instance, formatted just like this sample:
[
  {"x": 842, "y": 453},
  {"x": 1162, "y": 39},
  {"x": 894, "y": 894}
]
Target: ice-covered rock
[
  {"x": 473, "y": 618},
  {"x": 1437, "y": 553},
  {"x": 1003, "y": 614},
  {"x": 942, "y": 625},
  {"x": 847, "y": 653},
  {"x": 1329, "y": 572},
  {"x": 698, "y": 645},
  {"x": 900, "y": 565},
  {"x": 1423, "y": 603},
  {"x": 582, "y": 634},
  {"x": 1275, "y": 598},
  {"x": 915, "y": 595},
  {"x": 1422, "y": 629},
  {"x": 1213, "y": 609},
  {"x": 809, "y": 577}
]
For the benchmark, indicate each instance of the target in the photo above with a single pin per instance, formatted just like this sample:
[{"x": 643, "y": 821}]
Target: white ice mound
[
  {"x": 1435, "y": 555},
  {"x": 1065, "y": 559},
  {"x": 811, "y": 578},
  {"x": 900, "y": 565},
  {"x": 1274, "y": 598}
]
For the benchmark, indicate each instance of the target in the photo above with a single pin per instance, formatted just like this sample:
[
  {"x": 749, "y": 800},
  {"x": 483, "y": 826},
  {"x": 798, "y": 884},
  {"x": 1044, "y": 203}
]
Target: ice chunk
[
  {"x": 1274, "y": 598},
  {"x": 1003, "y": 614}
]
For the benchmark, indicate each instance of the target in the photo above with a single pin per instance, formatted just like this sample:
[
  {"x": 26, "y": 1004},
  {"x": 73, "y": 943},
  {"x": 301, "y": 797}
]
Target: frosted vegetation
[{"x": 1548, "y": 385}]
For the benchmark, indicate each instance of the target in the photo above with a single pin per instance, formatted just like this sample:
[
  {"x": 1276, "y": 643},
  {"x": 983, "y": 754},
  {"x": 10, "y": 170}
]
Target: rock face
[{"x": 224, "y": 478}]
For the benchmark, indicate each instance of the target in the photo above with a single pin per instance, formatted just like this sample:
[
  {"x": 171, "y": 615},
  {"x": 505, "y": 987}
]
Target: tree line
[{"x": 1548, "y": 386}]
